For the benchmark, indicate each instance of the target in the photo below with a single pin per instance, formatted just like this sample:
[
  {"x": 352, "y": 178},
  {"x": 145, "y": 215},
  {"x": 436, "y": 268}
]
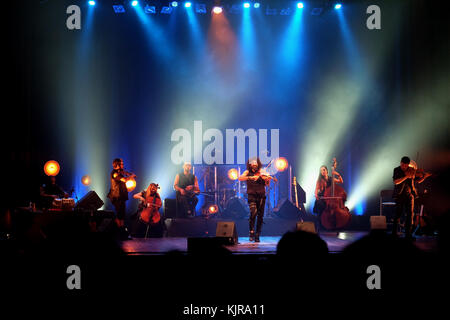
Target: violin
[
  {"x": 335, "y": 215},
  {"x": 150, "y": 214}
]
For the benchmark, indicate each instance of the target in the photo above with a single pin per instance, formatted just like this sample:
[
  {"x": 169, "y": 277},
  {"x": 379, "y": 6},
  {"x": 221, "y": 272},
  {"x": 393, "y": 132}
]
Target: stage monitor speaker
[
  {"x": 286, "y": 209},
  {"x": 170, "y": 208},
  {"x": 227, "y": 230},
  {"x": 306, "y": 226},
  {"x": 236, "y": 208},
  {"x": 378, "y": 223},
  {"x": 90, "y": 201}
]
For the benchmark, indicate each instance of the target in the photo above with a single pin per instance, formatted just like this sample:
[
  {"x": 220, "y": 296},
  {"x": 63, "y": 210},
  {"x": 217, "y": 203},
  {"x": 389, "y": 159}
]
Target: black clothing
[
  {"x": 404, "y": 188},
  {"x": 186, "y": 204},
  {"x": 118, "y": 189},
  {"x": 255, "y": 187},
  {"x": 404, "y": 194},
  {"x": 118, "y": 193},
  {"x": 256, "y": 193},
  {"x": 53, "y": 189},
  {"x": 320, "y": 205}
]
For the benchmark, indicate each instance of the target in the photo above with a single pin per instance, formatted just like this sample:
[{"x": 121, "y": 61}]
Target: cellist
[
  {"x": 323, "y": 182},
  {"x": 149, "y": 197}
]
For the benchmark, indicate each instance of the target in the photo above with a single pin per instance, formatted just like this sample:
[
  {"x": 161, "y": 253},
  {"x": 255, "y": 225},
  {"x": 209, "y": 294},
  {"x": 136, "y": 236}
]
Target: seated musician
[
  {"x": 186, "y": 186},
  {"x": 50, "y": 191},
  {"x": 151, "y": 191},
  {"x": 324, "y": 181}
]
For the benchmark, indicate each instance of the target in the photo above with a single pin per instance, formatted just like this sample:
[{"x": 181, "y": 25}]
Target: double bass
[
  {"x": 150, "y": 214},
  {"x": 335, "y": 215}
]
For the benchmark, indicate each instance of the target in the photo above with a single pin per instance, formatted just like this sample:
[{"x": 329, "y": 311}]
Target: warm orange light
[
  {"x": 51, "y": 168},
  {"x": 281, "y": 164},
  {"x": 233, "y": 174},
  {"x": 86, "y": 180},
  {"x": 217, "y": 10},
  {"x": 213, "y": 209},
  {"x": 131, "y": 184}
]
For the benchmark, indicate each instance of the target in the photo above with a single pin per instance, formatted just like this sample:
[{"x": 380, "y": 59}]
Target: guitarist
[{"x": 186, "y": 186}]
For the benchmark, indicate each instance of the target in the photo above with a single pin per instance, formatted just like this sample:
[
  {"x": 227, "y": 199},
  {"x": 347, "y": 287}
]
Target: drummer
[{"x": 50, "y": 191}]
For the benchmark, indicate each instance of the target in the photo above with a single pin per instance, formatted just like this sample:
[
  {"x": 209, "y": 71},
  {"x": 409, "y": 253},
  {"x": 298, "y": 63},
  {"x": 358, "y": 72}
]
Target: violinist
[
  {"x": 404, "y": 178},
  {"x": 256, "y": 179},
  {"x": 118, "y": 193},
  {"x": 323, "y": 182}
]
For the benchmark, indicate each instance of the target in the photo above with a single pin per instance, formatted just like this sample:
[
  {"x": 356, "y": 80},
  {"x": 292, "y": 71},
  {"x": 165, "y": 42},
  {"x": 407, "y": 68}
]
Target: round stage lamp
[
  {"x": 233, "y": 174},
  {"x": 86, "y": 180},
  {"x": 217, "y": 10},
  {"x": 51, "y": 168},
  {"x": 213, "y": 209},
  {"x": 281, "y": 164},
  {"x": 131, "y": 184}
]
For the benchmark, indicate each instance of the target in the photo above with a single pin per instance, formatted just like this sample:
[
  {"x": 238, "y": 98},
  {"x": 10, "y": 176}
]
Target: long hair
[
  {"x": 257, "y": 160},
  {"x": 320, "y": 179},
  {"x": 147, "y": 193}
]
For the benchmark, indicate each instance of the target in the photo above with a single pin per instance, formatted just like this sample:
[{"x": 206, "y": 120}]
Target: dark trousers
[
  {"x": 186, "y": 205},
  {"x": 120, "y": 208},
  {"x": 404, "y": 202},
  {"x": 256, "y": 203}
]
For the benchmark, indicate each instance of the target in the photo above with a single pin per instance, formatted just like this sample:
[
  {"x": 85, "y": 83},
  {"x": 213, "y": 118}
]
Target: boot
[
  {"x": 252, "y": 236},
  {"x": 257, "y": 237}
]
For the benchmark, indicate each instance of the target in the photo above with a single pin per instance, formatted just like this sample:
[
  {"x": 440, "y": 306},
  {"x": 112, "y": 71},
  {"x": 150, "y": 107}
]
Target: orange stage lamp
[
  {"x": 131, "y": 184},
  {"x": 281, "y": 164},
  {"x": 213, "y": 209},
  {"x": 233, "y": 174},
  {"x": 86, "y": 180},
  {"x": 51, "y": 168}
]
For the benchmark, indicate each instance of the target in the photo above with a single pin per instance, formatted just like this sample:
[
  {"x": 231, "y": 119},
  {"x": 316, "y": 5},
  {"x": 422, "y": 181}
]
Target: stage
[{"x": 336, "y": 243}]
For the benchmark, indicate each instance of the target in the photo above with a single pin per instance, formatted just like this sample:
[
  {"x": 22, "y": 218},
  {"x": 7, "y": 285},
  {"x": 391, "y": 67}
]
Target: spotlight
[
  {"x": 281, "y": 164},
  {"x": 233, "y": 174},
  {"x": 187, "y": 4},
  {"x": 166, "y": 10},
  {"x": 338, "y": 6},
  {"x": 217, "y": 10},
  {"x": 246, "y": 4},
  {"x": 174, "y": 4},
  {"x": 131, "y": 184},
  {"x": 86, "y": 180},
  {"x": 213, "y": 209},
  {"x": 119, "y": 8},
  {"x": 91, "y": 3},
  {"x": 51, "y": 168},
  {"x": 134, "y": 3},
  {"x": 152, "y": 9},
  {"x": 200, "y": 8},
  {"x": 300, "y": 5},
  {"x": 256, "y": 5}
]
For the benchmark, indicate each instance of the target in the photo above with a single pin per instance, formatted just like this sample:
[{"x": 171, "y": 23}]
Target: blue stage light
[
  {"x": 300, "y": 5},
  {"x": 256, "y": 5},
  {"x": 119, "y": 8},
  {"x": 134, "y": 3},
  {"x": 187, "y": 4},
  {"x": 246, "y": 4},
  {"x": 338, "y": 6},
  {"x": 91, "y": 3},
  {"x": 174, "y": 4}
]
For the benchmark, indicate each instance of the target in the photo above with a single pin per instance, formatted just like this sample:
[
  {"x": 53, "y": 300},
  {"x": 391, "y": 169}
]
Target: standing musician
[
  {"x": 323, "y": 182},
  {"x": 256, "y": 179},
  {"x": 118, "y": 194},
  {"x": 404, "y": 194},
  {"x": 186, "y": 186}
]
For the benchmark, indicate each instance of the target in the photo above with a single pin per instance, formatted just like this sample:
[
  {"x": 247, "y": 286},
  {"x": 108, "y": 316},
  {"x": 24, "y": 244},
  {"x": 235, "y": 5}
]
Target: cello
[
  {"x": 335, "y": 215},
  {"x": 150, "y": 214}
]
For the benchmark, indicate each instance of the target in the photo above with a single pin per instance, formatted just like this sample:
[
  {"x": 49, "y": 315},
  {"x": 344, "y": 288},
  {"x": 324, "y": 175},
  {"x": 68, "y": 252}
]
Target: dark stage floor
[{"x": 336, "y": 243}]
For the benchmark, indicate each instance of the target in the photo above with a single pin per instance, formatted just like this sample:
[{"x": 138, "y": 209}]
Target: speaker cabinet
[
  {"x": 90, "y": 201},
  {"x": 286, "y": 209},
  {"x": 170, "y": 208},
  {"x": 228, "y": 231},
  {"x": 306, "y": 226},
  {"x": 378, "y": 223}
]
